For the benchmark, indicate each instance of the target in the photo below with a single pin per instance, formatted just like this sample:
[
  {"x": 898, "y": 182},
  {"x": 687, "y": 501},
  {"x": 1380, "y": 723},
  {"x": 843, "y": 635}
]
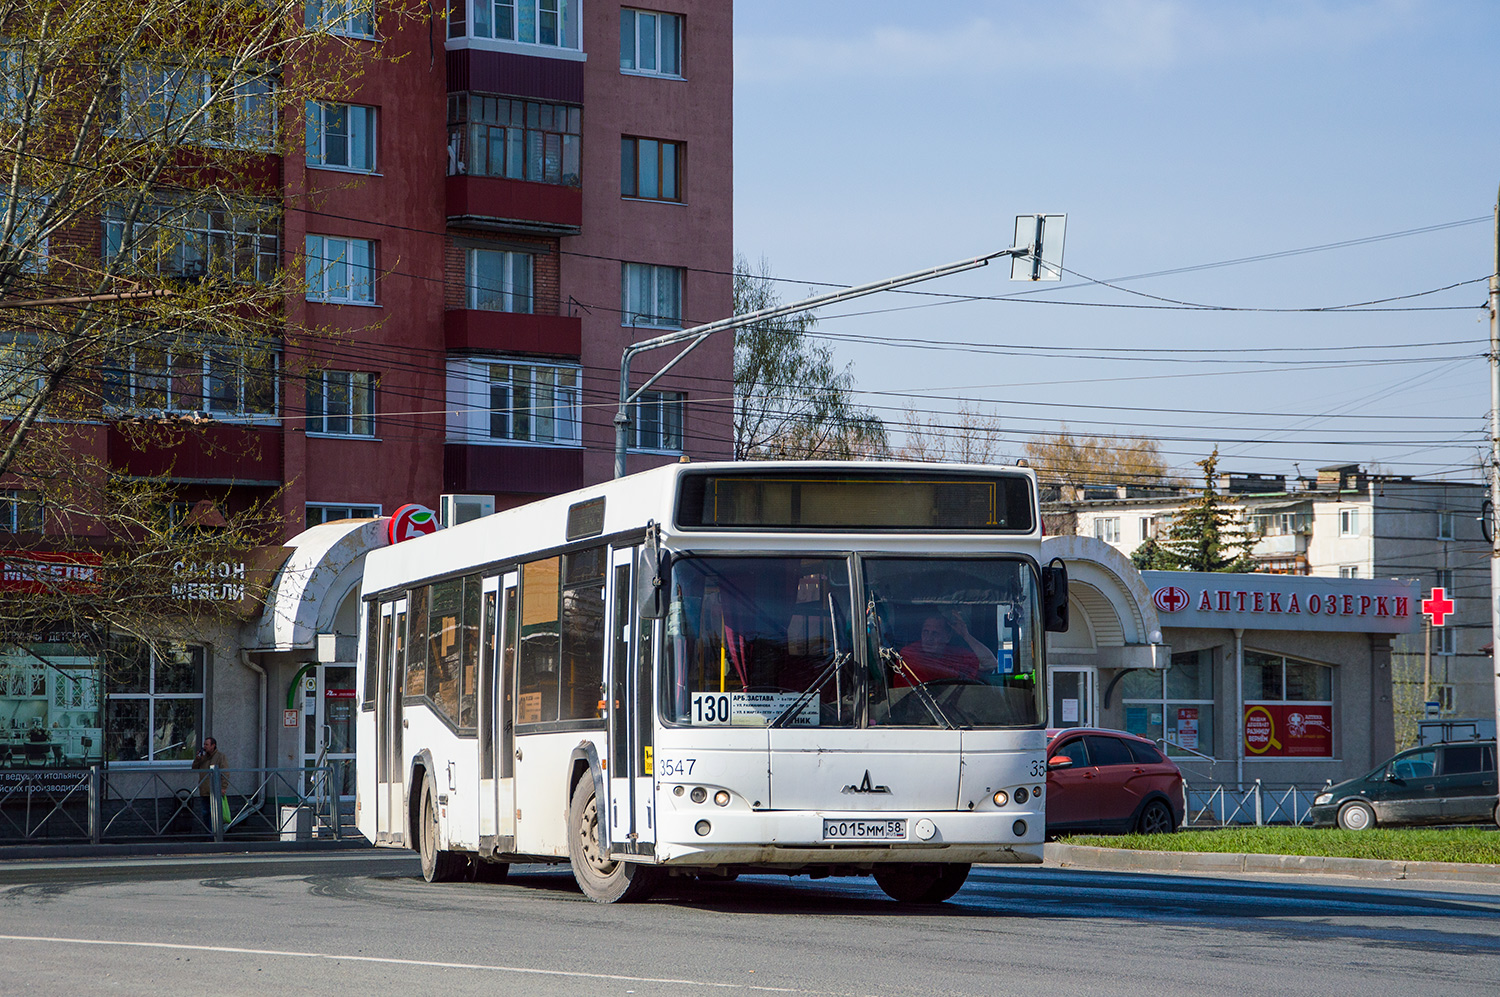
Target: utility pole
[
  {"x": 1495, "y": 464},
  {"x": 1046, "y": 264}
]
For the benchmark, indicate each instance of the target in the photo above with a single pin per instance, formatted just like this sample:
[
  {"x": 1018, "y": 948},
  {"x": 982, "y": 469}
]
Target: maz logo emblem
[{"x": 865, "y": 786}]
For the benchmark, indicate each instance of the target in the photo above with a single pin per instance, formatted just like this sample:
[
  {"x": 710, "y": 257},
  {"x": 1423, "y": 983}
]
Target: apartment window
[
  {"x": 1348, "y": 522},
  {"x": 1443, "y": 695},
  {"x": 652, "y": 296},
  {"x": 1348, "y": 571},
  {"x": 352, "y": 18},
  {"x": 651, "y": 169},
  {"x": 657, "y": 421},
  {"x": 15, "y": 82},
  {"x": 1288, "y": 707},
  {"x": 1445, "y": 524},
  {"x": 341, "y": 403},
  {"x": 339, "y": 270},
  {"x": 173, "y": 104},
  {"x": 242, "y": 241},
  {"x": 319, "y": 513},
  {"x": 1147, "y": 531},
  {"x": 155, "y": 703},
  {"x": 1176, "y": 707},
  {"x": 341, "y": 136},
  {"x": 650, "y": 43},
  {"x": 20, "y": 511},
  {"x": 1447, "y": 640},
  {"x": 504, "y": 401},
  {"x": 21, "y": 228},
  {"x": 220, "y": 382},
  {"x": 499, "y": 281},
  {"x": 516, "y": 139},
  {"x": 1107, "y": 528},
  {"x": 553, "y": 23}
]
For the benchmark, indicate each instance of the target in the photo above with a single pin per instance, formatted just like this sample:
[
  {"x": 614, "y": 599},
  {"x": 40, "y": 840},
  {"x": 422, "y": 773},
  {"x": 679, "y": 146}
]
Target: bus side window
[
  {"x": 416, "y": 643},
  {"x": 536, "y": 675}
]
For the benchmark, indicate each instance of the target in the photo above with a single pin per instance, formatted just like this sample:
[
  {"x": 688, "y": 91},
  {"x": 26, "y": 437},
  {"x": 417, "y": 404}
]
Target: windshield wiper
[
  {"x": 893, "y": 657},
  {"x": 840, "y": 658}
]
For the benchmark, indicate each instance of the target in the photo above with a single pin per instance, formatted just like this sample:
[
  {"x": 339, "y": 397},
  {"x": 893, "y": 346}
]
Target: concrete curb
[{"x": 1131, "y": 860}]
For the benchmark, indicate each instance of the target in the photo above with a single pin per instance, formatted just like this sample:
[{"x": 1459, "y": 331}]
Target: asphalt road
[{"x": 362, "y": 924}]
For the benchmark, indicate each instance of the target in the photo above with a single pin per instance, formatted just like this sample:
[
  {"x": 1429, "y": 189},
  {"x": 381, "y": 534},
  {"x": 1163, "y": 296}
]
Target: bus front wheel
[
  {"x": 438, "y": 866},
  {"x": 600, "y": 878},
  {"x": 921, "y": 882}
]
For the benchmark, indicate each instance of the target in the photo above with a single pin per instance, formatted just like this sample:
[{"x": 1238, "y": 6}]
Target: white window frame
[
  {"x": 1107, "y": 528},
  {"x": 1446, "y": 521},
  {"x": 29, "y": 213},
  {"x": 520, "y": 23},
  {"x": 349, "y": 18},
  {"x": 21, "y": 511},
  {"x": 184, "y": 381},
  {"x": 1348, "y": 571},
  {"x": 1348, "y": 522},
  {"x": 1443, "y": 695},
  {"x": 340, "y": 270},
  {"x": 483, "y": 407},
  {"x": 665, "y": 434},
  {"x": 360, "y": 136},
  {"x": 1447, "y": 640},
  {"x": 157, "y": 101},
  {"x": 635, "y": 24},
  {"x": 196, "y": 238},
  {"x": 509, "y": 295},
  {"x": 1146, "y": 527},
  {"x": 151, "y": 697},
  {"x": 661, "y": 287},
  {"x": 357, "y": 413},
  {"x": 344, "y": 510}
]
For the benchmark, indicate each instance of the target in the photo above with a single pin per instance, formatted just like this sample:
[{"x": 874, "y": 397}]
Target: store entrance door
[
  {"x": 1070, "y": 697},
  {"x": 329, "y": 708}
]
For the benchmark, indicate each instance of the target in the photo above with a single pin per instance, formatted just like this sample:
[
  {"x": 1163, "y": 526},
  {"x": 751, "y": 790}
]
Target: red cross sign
[{"x": 1438, "y": 606}]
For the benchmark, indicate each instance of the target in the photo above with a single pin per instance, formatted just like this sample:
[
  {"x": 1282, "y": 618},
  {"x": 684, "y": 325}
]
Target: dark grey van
[{"x": 1437, "y": 784}]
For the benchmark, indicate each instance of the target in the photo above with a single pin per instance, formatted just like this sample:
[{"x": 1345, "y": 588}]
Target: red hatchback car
[{"x": 1110, "y": 782}]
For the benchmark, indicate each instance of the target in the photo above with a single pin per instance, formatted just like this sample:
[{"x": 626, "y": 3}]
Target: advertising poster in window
[
  {"x": 1289, "y": 730},
  {"x": 1187, "y": 727}
]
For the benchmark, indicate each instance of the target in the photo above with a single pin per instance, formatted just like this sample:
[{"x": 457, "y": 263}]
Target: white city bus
[{"x": 709, "y": 669}]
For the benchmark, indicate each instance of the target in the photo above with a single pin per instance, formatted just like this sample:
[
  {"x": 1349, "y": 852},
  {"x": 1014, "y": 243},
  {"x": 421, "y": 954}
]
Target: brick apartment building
[{"x": 487, "y": 221}]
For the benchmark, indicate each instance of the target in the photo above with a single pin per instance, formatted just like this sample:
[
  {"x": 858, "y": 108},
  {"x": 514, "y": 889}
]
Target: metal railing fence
[
  {"x": 1219, "y": 805},
  {"x": 100, "y": 804}
]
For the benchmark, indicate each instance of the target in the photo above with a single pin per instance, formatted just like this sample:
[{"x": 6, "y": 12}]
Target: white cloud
[{"x": 1111, "y": 37}]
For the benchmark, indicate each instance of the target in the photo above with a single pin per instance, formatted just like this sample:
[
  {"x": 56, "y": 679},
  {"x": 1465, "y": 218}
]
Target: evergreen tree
[{"x": 1205, "y": 536}]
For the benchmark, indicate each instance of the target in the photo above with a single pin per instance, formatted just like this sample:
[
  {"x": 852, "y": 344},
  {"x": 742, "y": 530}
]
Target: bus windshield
[{"x": 770, "y": 641}]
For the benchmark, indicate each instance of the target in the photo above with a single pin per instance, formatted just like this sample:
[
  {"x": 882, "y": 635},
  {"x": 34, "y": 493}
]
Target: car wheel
[
  {"x": 602, "y": 879},
  {"x": 1156, "y": 818},
  {"x": 1356, "y": 816},
  {"x": 438, "y": 866},
  {"x": 921, "y": 882},
  {"x": 1497, "y": 814}
]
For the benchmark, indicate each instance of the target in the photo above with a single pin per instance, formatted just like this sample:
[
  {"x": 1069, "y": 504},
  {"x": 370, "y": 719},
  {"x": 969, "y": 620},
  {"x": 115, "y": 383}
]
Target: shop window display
[{"x": 50, "y": 707}]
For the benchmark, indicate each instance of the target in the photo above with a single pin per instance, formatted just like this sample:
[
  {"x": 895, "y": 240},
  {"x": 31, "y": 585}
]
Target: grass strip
[{"x": 1445, "y": 844}]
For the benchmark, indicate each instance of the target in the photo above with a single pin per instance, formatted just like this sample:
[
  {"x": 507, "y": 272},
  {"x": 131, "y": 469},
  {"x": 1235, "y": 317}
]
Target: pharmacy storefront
[{"x": 1281, "y": 678}]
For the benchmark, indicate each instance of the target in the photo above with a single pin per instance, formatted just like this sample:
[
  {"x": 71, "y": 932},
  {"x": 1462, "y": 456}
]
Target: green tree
[
  {"x": 791, "y": 400},
  {"x": 1204, "y": 536},
  {"x": 143, "y": 280}
]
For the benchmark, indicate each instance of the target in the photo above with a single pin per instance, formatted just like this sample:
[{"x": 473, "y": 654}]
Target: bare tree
[
  {"x": 969, "y": 436},
  {"x": 790, "y": 399},
  {"x": 1071, "y": 459}
]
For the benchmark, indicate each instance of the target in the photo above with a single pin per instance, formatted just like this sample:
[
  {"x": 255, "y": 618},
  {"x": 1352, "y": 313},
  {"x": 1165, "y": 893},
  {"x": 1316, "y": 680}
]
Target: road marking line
[{"x": 419, "y": 962}]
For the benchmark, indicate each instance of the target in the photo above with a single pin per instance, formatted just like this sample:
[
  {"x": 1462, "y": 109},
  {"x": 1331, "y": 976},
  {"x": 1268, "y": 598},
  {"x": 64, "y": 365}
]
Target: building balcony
[
  {"x": 503, "y": 205},
  {"x": 1281, "y": 545},
  {"x": 506, "y": 332},
  {"x": 528, "y": 470}
]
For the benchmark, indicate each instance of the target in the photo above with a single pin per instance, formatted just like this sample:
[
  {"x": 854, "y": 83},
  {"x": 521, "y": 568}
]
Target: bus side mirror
[
  {"x": 651, "y": 582},
  {"x": 1055, "y": 597}
]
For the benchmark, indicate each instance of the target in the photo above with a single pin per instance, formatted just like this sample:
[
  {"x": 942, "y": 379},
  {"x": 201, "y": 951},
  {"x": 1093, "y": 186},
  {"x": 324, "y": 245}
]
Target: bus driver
[{"x": 934, "y": 656}]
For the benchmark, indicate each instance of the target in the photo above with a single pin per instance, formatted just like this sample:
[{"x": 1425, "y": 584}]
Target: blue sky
[{"x": 880, "y": 137}]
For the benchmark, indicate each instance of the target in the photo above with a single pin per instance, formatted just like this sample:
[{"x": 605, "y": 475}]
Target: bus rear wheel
[
  {"x": 438, "y": 866},
  {"x": 921, "y": 882},
  {"x": 602, "y": 879}
]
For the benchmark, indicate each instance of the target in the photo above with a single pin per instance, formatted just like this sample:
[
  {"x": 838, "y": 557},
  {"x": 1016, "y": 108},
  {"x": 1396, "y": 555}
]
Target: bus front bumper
[{"x": 797, "y": 838}]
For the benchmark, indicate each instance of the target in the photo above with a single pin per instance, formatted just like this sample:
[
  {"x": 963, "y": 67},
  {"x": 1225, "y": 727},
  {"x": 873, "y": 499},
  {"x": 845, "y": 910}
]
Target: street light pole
[
  {"x": 1495, "y": 464},
  {"x": 697, "y": 334}
]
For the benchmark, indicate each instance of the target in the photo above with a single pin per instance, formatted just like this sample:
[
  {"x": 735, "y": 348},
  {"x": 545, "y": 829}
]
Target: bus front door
[
  {"x": 497, "y": 718},
  {"x": 629, "y": 766}
]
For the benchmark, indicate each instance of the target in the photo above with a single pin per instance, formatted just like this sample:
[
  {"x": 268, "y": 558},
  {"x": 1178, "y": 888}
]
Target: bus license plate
[{"x": 864, "y": 830}]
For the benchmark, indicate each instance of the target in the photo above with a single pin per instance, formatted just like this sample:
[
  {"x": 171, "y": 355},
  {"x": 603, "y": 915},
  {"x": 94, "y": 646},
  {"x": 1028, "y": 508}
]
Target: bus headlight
[
  {"x": 721, "y": 798},
  {"x": 1001, "y": 798},
  {"x": 1021, "y": 794}
]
